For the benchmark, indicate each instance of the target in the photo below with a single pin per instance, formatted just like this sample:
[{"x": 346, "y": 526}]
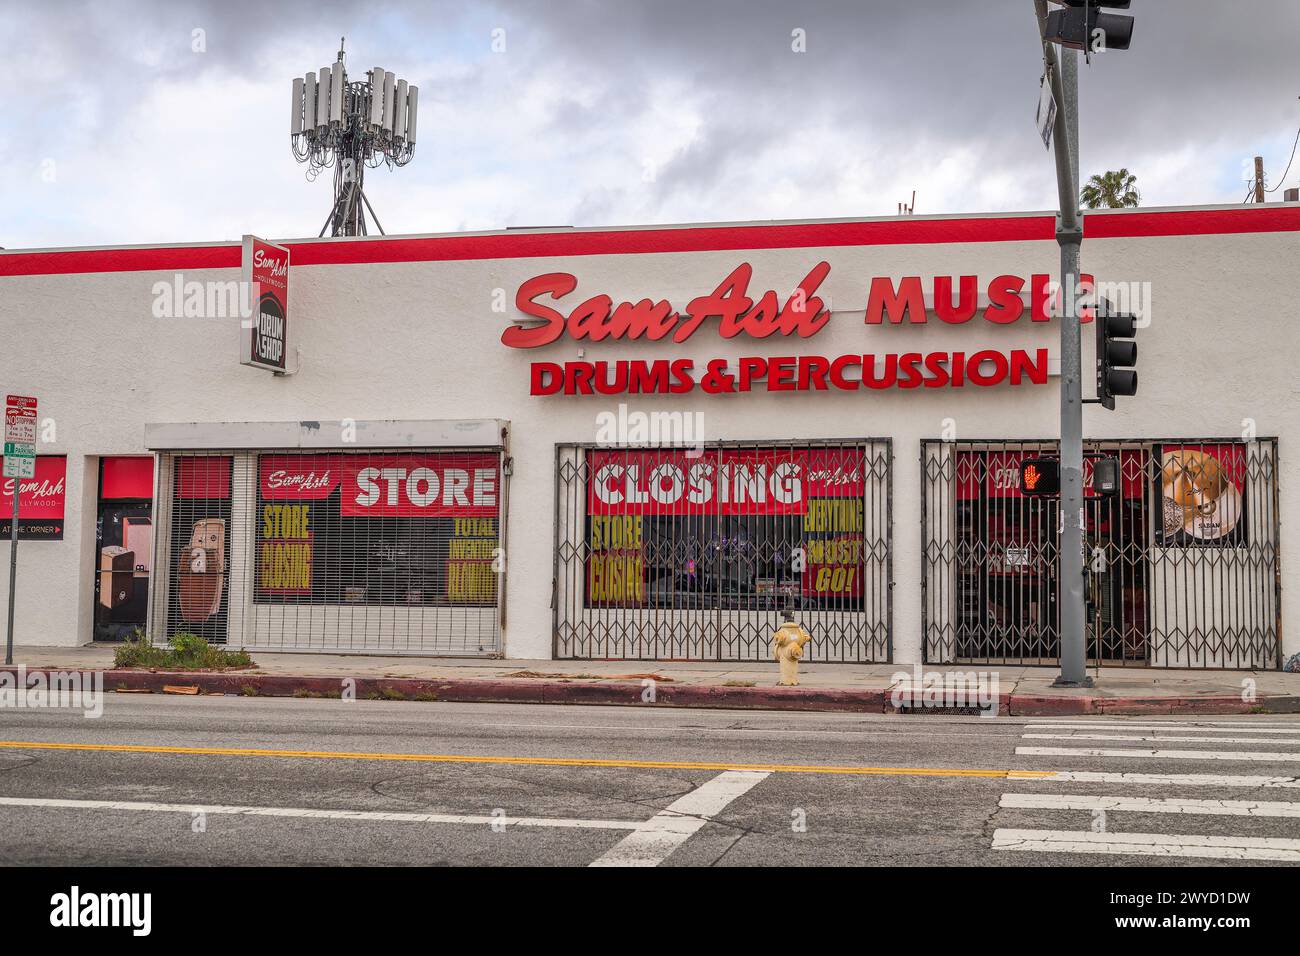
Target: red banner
[
  {"x": 298, "y": 477},
  {"x": 727, "y": 482},
  {"x": 402, "y": 484}
]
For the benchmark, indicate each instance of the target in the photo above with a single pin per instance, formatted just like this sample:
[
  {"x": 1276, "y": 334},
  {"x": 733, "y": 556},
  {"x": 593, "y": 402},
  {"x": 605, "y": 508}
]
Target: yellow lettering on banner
[
  {"x": 616, "y": 578},
  {"x": 285, "y": 566},
  {"x": 834, "y": 557},
  {"x": 616, "y": 568},
  {"x": 471, "y": 578},
  {"x": 471, "y": 549},
  {"x": 835, "y": 580},
  {"x": 474, "y": 528},
  {"x": 616, "y": 533},
  {"x": 471, "y": 582},
  {"x": 285, "y": 558},
  {"x": 833, "y": 550},
  {"x": 285, "y": 521},
  {"x": 832, "y": 515}
]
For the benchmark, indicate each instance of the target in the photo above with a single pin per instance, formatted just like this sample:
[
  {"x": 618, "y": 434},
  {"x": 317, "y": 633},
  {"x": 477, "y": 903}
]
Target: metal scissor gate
[
  {"x": 692, "y": 554},
  {"x": 1182, "y": 563}
]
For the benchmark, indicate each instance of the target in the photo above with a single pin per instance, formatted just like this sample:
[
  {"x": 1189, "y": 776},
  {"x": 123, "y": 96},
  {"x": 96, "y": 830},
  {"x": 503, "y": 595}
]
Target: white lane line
[
  {"x": 652, "y": 842},
  {"x": 1166, "y": 738},
  {"x": 385, "y": 816},
  {"x": 1271, "y": 729},
  {"x": 1168, "y": 779},
  {"x": 1262, "y": 755},
  {"x": 1149, "y": 844},
  {"x": 1218, "y": 808},
  {"x": 1244, "y": 720}
]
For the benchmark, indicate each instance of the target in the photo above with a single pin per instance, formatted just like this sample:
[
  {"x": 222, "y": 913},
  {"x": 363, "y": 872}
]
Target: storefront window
[
  {"x": 413, "y": 529},
  {"x": 727, "y": 528}
]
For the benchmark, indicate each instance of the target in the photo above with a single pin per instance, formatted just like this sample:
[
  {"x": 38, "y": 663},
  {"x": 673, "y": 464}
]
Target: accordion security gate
[
  {"x": 670, "y": 554},
  {"x": 359, "y": 551},
  {"x": 1182, "y": 563}
]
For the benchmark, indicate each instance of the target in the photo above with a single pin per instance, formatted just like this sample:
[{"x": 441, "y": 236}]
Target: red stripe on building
[{"x": 525, "y": 245}]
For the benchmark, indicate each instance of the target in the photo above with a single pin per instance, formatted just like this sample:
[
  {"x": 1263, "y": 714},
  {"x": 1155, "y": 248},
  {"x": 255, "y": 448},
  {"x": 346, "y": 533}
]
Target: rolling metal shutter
[{"x": 393, "y": 551}]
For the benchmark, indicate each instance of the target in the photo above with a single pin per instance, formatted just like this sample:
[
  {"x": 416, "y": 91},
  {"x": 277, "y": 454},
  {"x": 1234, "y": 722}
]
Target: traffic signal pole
[{"x": 1064, "y": 72}]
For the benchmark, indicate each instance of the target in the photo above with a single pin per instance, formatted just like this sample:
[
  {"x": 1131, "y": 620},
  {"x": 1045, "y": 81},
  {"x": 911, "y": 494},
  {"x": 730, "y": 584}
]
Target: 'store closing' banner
[
  {"x": 726, "y": 482},
  {"x": 389, "y": 528},
  {"x": 408, "y": 485},
  {"x": 730, "y": 525}
]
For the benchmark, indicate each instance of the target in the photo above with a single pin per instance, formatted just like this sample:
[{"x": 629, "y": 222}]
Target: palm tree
[{"x": 1111, "y": 190}]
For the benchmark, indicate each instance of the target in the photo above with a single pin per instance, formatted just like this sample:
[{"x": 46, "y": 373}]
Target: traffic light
[
  {"x": 1083, "y": 26},
  {"x": 1040, "y": 476},
  {"x": 1117, "y": 353}
]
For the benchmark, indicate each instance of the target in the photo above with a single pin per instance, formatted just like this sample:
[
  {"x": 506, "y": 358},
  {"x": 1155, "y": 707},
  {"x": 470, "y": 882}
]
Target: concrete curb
[
  {"x": 634, "y": 694},
  {"x": 1029, "y": 705}
]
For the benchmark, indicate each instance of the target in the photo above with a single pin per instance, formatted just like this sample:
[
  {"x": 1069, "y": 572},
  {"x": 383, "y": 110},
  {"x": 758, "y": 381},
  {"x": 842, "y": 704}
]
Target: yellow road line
[{"x": 534, "y": 761}]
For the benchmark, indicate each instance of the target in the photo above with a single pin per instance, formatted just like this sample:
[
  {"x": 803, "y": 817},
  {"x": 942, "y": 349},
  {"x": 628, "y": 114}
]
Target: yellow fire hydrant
[{"x": 787, "y": 646}]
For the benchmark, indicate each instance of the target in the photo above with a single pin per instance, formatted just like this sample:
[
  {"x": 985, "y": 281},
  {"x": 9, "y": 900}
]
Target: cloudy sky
[{"x": 168, "y": 121}]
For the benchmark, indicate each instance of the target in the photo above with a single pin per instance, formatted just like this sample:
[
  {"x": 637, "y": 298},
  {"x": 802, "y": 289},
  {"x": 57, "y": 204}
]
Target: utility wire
[{"x": 1288, "y": 165}]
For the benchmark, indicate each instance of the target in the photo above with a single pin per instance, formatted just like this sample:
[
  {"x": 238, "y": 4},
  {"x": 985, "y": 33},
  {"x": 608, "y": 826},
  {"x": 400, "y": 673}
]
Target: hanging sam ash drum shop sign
[{"x": 264, "y": 335}]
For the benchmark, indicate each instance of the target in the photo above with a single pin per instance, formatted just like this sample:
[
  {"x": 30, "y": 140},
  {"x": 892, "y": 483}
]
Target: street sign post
[{"x": 20, "y": 462}]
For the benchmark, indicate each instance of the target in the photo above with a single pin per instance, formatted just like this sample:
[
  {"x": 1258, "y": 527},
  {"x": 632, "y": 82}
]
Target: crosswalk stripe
[
  {"x": 1164, "y": 727},
  {"x": 1149, "y": 844},
  {"x": 1166, "y": 738},
  {"x": 1172, "y": 779},
  {"x": 1258, "y": 755},
  {"x": 1227, "y": 808},
  {"x": 1244, "y": 720},
  {"x": 651, "y": 842}
]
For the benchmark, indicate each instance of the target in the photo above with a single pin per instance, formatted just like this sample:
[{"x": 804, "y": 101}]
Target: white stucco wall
[{"x": 420, "y": 340}]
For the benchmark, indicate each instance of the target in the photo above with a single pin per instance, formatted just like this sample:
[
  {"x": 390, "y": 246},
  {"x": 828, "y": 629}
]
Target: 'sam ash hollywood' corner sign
[{"x": 803, "y": 314}]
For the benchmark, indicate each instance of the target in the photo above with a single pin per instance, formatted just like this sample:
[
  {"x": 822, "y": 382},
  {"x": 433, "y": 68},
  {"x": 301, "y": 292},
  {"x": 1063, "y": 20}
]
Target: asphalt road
[{"x": 376, "y": 782}]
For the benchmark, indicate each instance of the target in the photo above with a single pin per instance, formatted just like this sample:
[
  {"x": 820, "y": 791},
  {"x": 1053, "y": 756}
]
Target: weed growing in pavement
[{"x": 184, "y": 652}]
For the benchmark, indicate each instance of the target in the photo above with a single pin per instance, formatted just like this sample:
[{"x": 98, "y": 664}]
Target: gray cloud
[{"x": 709, "y": 96}]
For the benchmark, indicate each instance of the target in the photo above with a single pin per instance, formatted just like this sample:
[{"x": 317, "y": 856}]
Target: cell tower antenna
[{"x": 349, "y": 126}]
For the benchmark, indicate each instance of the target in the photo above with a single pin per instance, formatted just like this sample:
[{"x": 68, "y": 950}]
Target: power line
[{"x": 1288, "y": 165}]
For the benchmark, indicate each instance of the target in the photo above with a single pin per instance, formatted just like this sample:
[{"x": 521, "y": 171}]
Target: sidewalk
[{"x": 868, "y": 688}]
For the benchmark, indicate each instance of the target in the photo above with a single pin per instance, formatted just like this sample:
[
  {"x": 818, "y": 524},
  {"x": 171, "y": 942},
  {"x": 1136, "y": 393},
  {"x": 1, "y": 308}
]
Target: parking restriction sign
[
  {"x": 20, "y": 462},
  {"x": 20, "y": 436}
]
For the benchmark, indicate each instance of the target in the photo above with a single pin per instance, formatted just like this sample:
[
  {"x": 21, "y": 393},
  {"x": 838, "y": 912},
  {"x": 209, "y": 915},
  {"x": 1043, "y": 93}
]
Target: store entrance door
[
  {"x": 123, "y": 546},
  {"x": 1182, "y": 562},
  {"x": 991, "y": 591}
]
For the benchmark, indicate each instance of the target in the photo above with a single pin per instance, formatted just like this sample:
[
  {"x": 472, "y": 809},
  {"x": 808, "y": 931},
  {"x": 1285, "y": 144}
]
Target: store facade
[{"x": 646, "y": 443}]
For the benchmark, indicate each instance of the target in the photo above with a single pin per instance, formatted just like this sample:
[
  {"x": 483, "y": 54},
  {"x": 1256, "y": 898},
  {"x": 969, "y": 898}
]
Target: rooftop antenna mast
[{"x": 351, "y": 126}]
